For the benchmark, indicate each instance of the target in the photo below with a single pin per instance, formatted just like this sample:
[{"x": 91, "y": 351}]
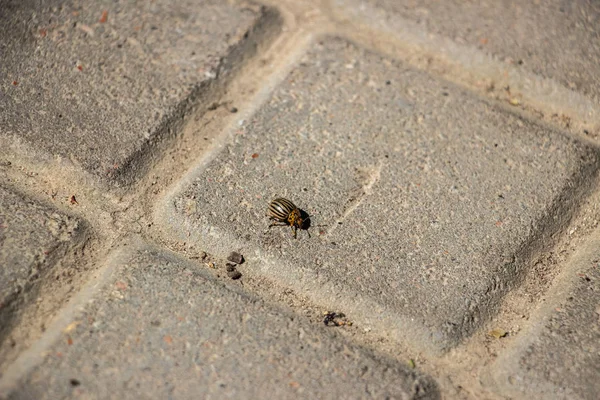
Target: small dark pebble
[
  {"x": 202, "y": 255},
  {"x": 234, "y": 274},
  {"x": 155, "y": 323},
  {"x": 330, "y": 317},
  {"x": 75, "y": 382},
  {"x": 230, "y": 267},
  {"x": 233, "y": 110},
  {"x": 236, "y": 258}
]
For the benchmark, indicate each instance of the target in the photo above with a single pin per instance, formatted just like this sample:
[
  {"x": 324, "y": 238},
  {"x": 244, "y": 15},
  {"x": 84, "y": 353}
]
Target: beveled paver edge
[
  {"x": 34, "y": 355},
  {"x": 174, "y": 227},
  {"x": 260, "y": 35},
  {"x": 24, "y": 302},
  {"x": 470, "y": 67},
  {"x": 560, "y": 214},
  {"x": 116, "y": 263},
  {"x": 496, "y": 375}
]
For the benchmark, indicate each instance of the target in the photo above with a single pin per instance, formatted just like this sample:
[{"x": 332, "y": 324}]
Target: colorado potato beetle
[{"x": 284, "y": 212}]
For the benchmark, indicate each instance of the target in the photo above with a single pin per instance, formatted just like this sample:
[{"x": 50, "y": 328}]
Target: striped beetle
[{"x": 284, "y": 212}]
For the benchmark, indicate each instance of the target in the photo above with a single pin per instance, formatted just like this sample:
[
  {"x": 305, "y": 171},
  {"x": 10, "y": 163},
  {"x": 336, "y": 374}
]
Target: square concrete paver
[
  {"x": 32, "y": 238},
  {"x": 99, "y": 83},
  {"x": 556, "y": 39},
  {"x": 161, "y": 329},
  {"x": 29, "y": 234},
  {"x": 559, "y": 357},
  {"x": 426, "y": 202}
]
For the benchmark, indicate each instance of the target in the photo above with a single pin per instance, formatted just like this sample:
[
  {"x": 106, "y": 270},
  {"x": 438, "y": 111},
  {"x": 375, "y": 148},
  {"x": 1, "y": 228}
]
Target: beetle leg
[{"x": 295, "y": 231}]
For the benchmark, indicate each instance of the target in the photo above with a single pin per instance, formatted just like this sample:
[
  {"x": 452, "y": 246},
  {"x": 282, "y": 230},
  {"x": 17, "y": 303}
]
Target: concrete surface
[
  {"x": 101, "y": 90},
  {"x": 29, "y": 234},
  {"x": 134, "y": 339},
  {"x": 536, "y": 56},
  {"x": 558, "y": 357},
  {"x": 426, "y": 200},
  {"x": 556, "y": 39},
  {"x": 446, "y": 152},
  {"x": 33, "y": 237},
  {"x": 564, "y": 360}
]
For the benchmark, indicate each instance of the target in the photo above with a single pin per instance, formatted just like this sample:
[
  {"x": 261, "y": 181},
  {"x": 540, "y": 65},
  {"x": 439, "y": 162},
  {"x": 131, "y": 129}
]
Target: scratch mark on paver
[{"x": 365, "y": 191}]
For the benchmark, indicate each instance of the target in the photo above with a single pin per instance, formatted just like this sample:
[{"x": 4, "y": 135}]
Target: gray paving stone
[
  {"x": 31, "y": 237},
  {"x": 561, "y": 359},
  {"x": 29, "y": 232},
  {"x": 161, "y": 329},
  {"x": 101, "y": 94},
  {"x": 425, "y": 201},
  {"x": 556, "y": 39}
]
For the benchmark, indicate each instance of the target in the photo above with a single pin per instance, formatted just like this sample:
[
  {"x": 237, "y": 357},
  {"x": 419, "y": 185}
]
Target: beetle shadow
[{"x": 305, "y": 220}]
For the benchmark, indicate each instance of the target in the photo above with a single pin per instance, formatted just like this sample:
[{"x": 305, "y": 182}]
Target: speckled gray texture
[
  {"x": 424, "y": 199},
  {"x": 162, "y": 329},
  {"x": 29, "y": 235},
  {"x": 95, "y": 93},
  {"x": 33, "y": 239},
  {"x": 562, "y": 359},
  {"x": 557, "y": 39}
]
